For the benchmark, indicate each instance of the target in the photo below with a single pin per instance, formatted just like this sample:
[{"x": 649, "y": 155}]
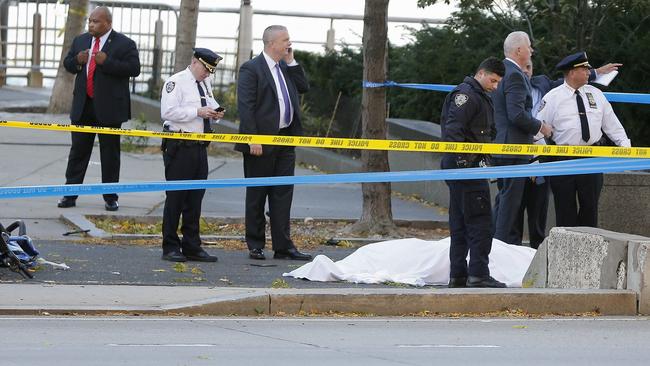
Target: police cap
[
  {"x": 576, "y": 60},
  {"x": 208, "y": 58}
]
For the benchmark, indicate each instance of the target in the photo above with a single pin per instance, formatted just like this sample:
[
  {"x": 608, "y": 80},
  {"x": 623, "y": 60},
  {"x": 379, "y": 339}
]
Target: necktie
[
  {"x": 584, "y": 123},
  {"x": 90, "y": 81},
  {"x": 204, "y": 103},
  {"x": 285, "y": 96}
]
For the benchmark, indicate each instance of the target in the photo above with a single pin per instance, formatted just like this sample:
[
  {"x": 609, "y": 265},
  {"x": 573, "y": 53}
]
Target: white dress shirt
[
  {"x": 560, "y": 110},
  {"x": 272, "y": 66},
  {"x": 180, "y": 101},
  {"x": 102, "y": 42}
]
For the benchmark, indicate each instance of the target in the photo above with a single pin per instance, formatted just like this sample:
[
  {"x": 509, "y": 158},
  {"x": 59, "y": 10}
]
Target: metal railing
[{"x": 32, "y": 35}]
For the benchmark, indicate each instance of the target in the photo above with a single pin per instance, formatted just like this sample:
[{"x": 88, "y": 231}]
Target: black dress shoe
[
  {"x": 201, "y": 256},
  {"x": 485, "y": 281},
  {"x": 256, "y": 254},
  {"x": 291, "y": 254},
  {"x": 66, "y": 202},
  {"x": 455, "y": 282},
  {"x": 174, "y": 256},
  {"x": 111, "y": 206}
]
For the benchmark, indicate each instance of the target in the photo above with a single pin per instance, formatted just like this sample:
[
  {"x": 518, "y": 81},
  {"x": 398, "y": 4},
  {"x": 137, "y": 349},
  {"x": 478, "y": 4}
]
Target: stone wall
[
  {"x": 623, "y": 193},
  {"x": 625, "y": 203}
]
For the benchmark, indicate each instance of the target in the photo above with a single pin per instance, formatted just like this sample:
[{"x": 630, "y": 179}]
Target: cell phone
[{"x": 220, "y": 109}]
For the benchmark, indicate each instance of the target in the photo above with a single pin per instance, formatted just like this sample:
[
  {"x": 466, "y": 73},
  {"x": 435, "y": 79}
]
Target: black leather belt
[
  {"x": 190, "y": 143},
  {"x": 178, "y": 142}
]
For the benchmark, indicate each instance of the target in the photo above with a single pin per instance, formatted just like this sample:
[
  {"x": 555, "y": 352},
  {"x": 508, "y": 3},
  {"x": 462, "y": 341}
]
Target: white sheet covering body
[{"x": 412, "y": 261}]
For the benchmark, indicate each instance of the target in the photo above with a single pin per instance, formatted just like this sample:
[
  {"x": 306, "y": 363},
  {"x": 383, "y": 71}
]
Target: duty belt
[{"x": 166, "y": 142}]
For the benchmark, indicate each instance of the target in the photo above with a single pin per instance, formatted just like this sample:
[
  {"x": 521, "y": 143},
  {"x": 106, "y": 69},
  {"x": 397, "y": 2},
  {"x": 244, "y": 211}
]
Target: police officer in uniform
[
  {"x": 468, "y": 116},
  {"x": 187, "y": 105},
  {"x": 580, "y": 115}
]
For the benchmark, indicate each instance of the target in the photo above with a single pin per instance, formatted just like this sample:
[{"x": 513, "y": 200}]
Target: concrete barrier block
[
  {"x": 638, "y": 274},
  {"x": 588, "y": 258},
  {"x": 537, "y": 274}
]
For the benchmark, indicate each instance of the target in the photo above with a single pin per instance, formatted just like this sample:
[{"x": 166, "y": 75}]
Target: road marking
[
  {"x": 447, "y": 346},
  {"x": 162, "y": 345}
]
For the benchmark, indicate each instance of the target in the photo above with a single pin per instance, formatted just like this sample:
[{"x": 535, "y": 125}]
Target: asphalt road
[
  {"x": 323, "y": 341},
  {"x": 131, "y": 264}
]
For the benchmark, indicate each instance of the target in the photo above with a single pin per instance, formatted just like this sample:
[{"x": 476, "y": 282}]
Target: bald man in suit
[
  {"x": 103, "y": 61},
  {"x": 267, "y": 99}
]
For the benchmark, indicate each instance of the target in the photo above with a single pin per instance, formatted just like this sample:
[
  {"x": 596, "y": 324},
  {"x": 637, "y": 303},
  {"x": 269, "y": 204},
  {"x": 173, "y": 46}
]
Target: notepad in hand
[{"x": 605, "y": 79}]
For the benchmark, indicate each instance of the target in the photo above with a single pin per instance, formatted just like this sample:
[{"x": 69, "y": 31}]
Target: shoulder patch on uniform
[
  {"x": 170, "y": 86},
  {"x": 542, "y": 104},
  {"x": 460, "y": 99}
]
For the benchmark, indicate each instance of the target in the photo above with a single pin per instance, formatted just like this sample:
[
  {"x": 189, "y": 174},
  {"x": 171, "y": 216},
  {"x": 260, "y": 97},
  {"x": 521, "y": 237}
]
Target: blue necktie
[{"x": 285, "y": 96}]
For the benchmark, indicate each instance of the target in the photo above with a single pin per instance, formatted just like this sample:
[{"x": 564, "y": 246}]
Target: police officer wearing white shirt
[
  {"x": 579, "y": 115},
  {"x": 187, "y": 105}
]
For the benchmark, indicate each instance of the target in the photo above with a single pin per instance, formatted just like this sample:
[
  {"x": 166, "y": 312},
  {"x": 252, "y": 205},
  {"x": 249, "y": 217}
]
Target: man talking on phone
[
  {"x": 187, "y": 105},
  {"x": 268, "y": 104}
]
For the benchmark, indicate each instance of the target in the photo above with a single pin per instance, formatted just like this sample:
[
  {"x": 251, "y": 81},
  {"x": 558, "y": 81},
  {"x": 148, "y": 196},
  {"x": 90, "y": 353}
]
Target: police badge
[
  {"x": 592, "y": 100},
  {"x": 460, "y": 99},
  {"x": 170, "y": 86},
  {"x": 542, "y": 104}
]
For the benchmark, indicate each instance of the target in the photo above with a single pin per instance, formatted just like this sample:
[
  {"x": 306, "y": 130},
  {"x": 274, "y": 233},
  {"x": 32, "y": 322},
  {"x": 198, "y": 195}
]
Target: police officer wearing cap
[
  {"x": 468, "y": 116},
  {"x": 187, "y": 105},
  {"x": 579, "y": 115}
]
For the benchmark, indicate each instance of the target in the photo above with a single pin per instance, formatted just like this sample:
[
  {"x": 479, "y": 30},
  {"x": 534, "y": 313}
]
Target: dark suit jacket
[
  {"x": 512, "y": 108},
  {"x": 544, "y": 84},
  {"x": 112, "y": 99},
  {"x": 257, "y": 99}
]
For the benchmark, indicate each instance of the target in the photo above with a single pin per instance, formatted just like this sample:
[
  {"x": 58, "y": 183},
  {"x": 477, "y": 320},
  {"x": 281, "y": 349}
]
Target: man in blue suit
[
  {"x": 515, "y": 125},
  {"x": 103, "y": 61},
  {"x": 268, "y": 104}
]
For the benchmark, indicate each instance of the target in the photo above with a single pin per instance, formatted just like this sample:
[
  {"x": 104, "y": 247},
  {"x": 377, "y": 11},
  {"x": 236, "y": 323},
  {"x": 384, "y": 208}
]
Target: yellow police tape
[{"x": 359, "y": 144}]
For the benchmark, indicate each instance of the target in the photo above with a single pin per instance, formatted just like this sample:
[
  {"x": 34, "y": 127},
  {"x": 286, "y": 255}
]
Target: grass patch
[{"x": 280, "y": 283}]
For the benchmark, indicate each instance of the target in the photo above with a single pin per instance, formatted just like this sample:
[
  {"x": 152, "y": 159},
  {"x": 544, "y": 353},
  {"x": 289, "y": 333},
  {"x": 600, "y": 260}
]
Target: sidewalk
[
  {"x": 33, "y": 157},
  {"x": 130, "y": 277}
]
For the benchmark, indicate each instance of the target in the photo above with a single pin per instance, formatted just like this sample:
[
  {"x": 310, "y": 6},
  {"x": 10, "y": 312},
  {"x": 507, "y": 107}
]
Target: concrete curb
[
  {"x": 165, "y": 300},
  {"x": 82, "y": 223}
]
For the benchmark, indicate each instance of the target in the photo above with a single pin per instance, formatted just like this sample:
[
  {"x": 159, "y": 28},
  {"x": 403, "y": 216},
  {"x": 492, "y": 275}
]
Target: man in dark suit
[
  {"x": 268, "y": 104},
  {"x": 515, "y": 125},
  {"x": 103, "y": 61}
]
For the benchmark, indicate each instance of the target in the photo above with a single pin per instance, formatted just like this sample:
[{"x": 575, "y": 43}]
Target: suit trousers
[
  {"x": 535, "y": 203},
  {"x": 280, "y": 161},
  {"x": 507, "y": 203},
  {"x": 183, "y": 161},
  {"x": 576, "y": 199},
  {"x": 470, "y": 225},
  {"x": 82, "y": 148}
]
